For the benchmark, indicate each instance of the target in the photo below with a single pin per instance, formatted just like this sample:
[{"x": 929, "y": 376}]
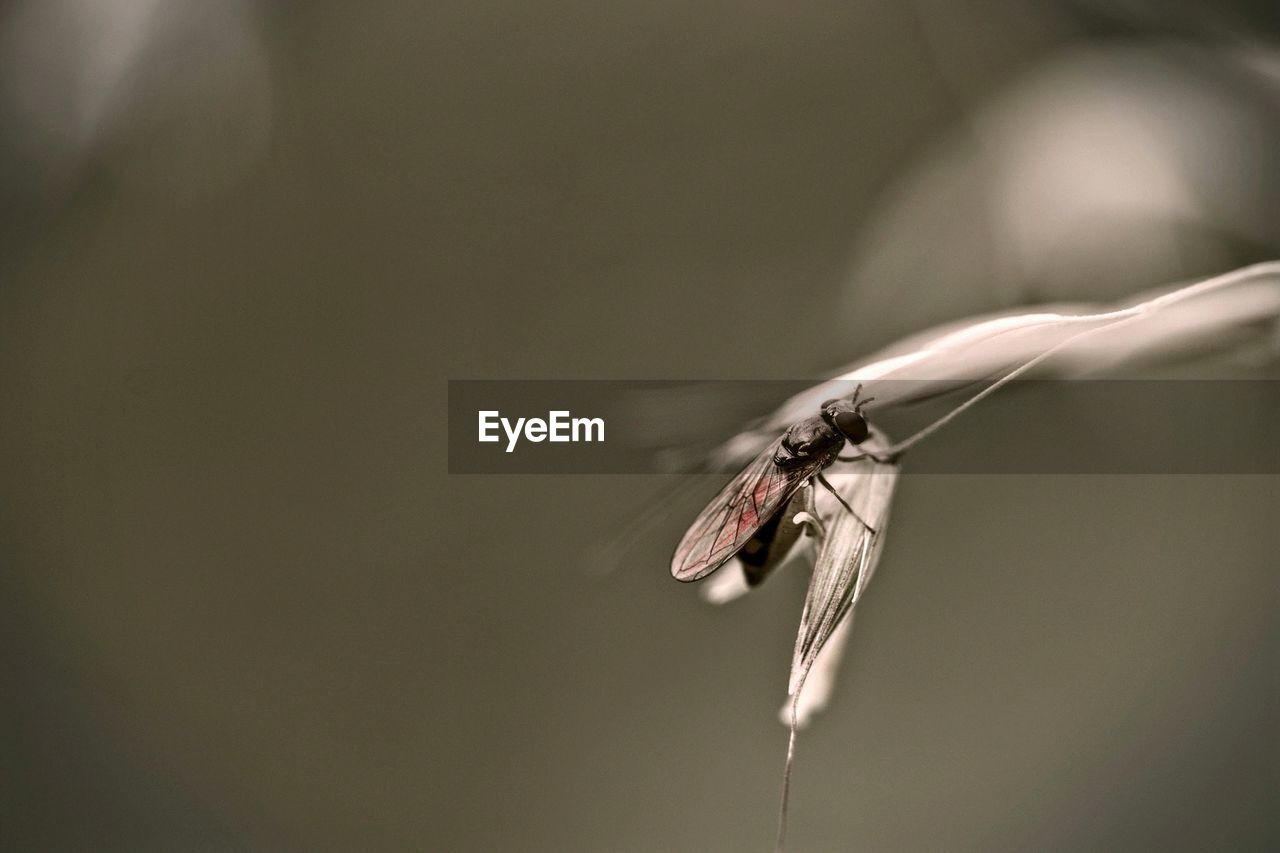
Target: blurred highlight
[{"x": 175, "y": 96}]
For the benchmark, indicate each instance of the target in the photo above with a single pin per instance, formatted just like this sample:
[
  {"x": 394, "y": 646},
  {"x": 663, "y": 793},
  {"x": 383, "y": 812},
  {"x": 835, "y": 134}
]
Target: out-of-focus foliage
[{"x": 1109, "y": 165}]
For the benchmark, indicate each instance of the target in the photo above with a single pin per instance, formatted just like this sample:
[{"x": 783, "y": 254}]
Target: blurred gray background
[{"x": 244, "y": 245}]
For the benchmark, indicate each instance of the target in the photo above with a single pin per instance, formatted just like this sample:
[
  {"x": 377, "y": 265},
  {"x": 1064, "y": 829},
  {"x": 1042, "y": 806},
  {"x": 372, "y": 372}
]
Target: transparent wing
[{"x": 742, "y": 507}]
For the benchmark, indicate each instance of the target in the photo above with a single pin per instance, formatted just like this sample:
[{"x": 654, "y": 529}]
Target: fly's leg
[
  {"x": 875, "y": 457},
  {"x": 830, "y": 488},
  {"x": 882, "y": 458}
]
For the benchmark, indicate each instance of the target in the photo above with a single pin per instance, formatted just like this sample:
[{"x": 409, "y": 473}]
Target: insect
[{"x": 746, "y": 518}]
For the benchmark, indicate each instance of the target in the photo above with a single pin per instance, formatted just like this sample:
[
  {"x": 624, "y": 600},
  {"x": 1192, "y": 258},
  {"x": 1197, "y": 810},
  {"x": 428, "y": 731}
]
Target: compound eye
[
  {"x": 830, "y": 402},
  {"x": 853, "y": 426}
]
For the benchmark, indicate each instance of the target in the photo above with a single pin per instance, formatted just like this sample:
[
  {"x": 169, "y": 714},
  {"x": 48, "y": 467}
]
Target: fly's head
[{"x": 845, "y": 416}]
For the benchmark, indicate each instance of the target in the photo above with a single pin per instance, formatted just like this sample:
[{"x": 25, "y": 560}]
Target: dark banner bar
[{"x": 1028, "y": 427}]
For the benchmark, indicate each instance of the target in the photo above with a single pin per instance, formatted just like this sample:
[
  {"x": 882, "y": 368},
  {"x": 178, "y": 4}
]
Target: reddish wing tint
[{"x": 740, "y": 509}]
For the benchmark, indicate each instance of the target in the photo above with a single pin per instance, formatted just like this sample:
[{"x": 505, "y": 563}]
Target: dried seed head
[{"x": 846, "y": 560}]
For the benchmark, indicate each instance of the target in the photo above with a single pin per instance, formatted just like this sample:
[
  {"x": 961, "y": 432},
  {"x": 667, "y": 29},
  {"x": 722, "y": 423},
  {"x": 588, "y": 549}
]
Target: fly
[{"x": 744, "y": 516}]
